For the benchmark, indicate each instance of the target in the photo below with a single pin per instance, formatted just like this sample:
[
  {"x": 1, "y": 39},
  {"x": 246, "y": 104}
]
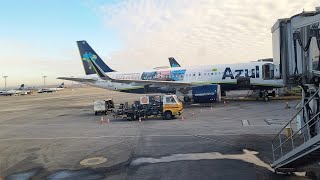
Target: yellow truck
[{"x": 166, "y": 106}]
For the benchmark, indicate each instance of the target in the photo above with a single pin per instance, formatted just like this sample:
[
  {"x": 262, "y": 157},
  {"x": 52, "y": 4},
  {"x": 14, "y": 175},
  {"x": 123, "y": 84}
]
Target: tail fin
[
  {"x": 61, "y": 85},
  {"x": 173, "y": 62},
  {"x": 21, "y": 87},
  {"x": 86, "y": 52}
]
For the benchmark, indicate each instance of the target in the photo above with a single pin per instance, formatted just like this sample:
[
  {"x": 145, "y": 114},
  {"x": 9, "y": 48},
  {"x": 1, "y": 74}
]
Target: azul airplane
[{"x": 179, "y": 80}]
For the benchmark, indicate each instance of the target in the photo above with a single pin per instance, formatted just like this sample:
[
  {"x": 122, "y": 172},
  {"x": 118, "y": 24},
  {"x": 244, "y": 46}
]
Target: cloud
[{"x": 195, "y": 31}]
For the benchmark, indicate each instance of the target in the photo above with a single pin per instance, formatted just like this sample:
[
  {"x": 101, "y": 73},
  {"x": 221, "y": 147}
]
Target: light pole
[
  {"x": 5, "y": 82},
  {"x": 44, "y": 81},
  {"x": 72, "y": 82}
]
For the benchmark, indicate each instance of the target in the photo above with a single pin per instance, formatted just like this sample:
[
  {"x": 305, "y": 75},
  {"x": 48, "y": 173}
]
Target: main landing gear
[{"x": 265, "y": 95}]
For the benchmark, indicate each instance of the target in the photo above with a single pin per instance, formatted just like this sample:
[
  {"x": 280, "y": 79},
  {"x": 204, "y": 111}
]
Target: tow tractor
[{"x": 165, "y": 106}]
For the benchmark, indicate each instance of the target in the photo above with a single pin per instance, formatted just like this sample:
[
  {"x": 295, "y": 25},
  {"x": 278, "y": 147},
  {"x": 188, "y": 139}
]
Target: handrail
[
  {"x": 296, "y": 114},
  {"x": 297, "y": 131}
]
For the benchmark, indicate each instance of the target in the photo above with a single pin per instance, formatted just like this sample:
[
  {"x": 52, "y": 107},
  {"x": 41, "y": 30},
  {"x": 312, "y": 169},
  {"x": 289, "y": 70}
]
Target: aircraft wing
[
  {"x": 154, "y": 82},
  {"x": 78, "y": 79},
  {"x": 102, "y": 75}
]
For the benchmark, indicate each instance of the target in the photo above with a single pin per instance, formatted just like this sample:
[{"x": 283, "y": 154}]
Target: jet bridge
[{"x": 296, "y": 46}]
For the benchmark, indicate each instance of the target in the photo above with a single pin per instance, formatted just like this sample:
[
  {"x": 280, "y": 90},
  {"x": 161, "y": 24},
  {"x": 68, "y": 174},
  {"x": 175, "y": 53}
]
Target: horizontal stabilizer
[{"x": 83, "y": 80}]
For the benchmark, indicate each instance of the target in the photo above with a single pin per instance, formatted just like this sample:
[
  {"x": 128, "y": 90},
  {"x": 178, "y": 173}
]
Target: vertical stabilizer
[{"x": 86, "y": 53}]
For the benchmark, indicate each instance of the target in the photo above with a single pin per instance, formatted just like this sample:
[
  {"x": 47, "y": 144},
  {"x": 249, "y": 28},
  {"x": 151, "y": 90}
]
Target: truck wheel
[
  {"x": 96, "y": 113},
  {"x": 106, "y": 112},
  {"x": 260, "y": 94},
  {"x": 186, "y": 99},
  {"x": 167, "y": 115},
  {"x": 266, "y": 98}
]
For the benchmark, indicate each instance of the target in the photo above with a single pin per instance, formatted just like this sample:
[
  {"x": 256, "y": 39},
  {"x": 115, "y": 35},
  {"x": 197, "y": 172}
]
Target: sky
[{"x": 39, "y": 37}]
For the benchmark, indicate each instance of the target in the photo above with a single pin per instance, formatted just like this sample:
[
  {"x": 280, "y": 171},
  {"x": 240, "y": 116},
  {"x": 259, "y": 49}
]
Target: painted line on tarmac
[
  {"x": 130, "y": 136},
  {"x": 87, "y": 137},
  {"x": 26, "y": 125},
  {"x": 245, "y": 123},
  {"x": 57, "y": 138},
  {"x": 246, "y": 156}
]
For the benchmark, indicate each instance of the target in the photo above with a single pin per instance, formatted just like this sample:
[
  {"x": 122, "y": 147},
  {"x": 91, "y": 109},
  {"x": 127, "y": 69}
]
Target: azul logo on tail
[
  {"x": 87, "y": 53},
  {"x": 251, "y": 73},
  {"x": 87, "y": 56}
]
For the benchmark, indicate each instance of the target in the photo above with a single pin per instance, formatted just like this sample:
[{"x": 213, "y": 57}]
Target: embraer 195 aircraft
[{"x": 180, "y": 80}]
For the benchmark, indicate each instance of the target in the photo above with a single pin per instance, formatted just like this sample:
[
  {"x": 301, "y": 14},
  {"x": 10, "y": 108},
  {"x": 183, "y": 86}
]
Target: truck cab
[{"x": 171, "y": 106}]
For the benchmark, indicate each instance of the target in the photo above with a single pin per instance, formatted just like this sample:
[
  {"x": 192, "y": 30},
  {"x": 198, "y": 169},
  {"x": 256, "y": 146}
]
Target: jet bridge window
[{"x": 268, "y": 71}]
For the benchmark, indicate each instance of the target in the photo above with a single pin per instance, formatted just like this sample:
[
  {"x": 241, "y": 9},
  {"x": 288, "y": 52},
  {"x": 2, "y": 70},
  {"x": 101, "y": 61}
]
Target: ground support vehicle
[
  {"x": 165, "y": 106},
  {"x": 103, "y": 106}
]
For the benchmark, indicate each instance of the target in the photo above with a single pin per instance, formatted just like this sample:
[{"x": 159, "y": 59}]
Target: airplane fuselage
[{"x": 226, "y": 75}]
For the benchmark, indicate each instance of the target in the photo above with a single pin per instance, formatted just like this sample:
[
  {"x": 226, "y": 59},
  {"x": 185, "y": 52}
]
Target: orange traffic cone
[
  {"x": 224, "y": 102},
  {"x": 101, "y": 120},
  {"x": 108, "y": 120},
  {"x": 182, "y": 118}
]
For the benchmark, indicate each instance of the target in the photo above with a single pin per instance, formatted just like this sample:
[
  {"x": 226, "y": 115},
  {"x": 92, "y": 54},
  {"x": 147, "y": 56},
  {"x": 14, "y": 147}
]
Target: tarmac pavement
[{"x": 57, "y": 136}]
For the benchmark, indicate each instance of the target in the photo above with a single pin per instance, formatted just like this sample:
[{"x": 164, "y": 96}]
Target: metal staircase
[{"x": 296, "y": 149}]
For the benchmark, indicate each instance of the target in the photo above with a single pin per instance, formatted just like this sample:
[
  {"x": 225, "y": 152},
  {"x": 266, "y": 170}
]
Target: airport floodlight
[
  {"x": 5, "y": 82},
  {"x": 72, "y": 81},
  {"x": 44, "y": 81}
]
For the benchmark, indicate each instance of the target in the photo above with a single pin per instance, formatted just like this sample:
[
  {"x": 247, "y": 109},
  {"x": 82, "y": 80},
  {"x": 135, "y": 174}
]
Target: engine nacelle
[{"x": 206, "y": 93}]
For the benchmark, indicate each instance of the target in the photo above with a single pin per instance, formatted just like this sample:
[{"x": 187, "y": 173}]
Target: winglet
[
  {"x": 99, "y": 71},
  {"x": 173, "y": 62}
]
